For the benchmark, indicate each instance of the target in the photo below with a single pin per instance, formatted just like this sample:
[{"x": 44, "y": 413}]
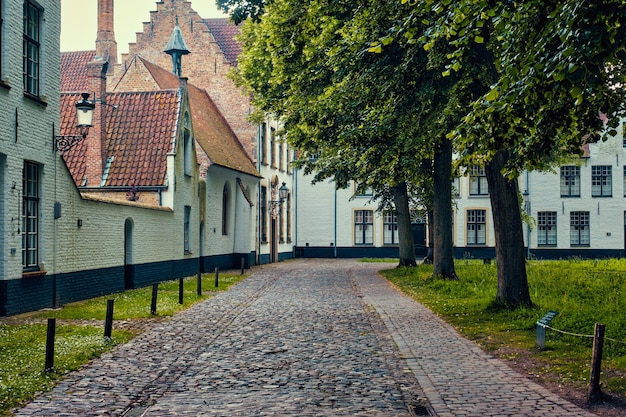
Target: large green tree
[
  {"x": 558, "y": 77},
  {"x": 354, "y": 115}
]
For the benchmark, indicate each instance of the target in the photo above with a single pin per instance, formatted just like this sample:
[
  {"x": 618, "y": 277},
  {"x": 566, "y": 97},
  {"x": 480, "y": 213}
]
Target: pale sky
[{"x": 79, "y": 26}]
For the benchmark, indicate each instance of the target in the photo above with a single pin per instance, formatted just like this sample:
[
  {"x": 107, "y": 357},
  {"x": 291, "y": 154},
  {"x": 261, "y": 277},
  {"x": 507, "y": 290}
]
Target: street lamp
[
  {"x": 84, "y": 120},
  {"x": 283, "y": 191}
]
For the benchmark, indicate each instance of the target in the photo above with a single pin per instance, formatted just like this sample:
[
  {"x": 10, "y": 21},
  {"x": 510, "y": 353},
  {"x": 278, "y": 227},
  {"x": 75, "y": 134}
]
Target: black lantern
[{"x": 84, "y": 121}]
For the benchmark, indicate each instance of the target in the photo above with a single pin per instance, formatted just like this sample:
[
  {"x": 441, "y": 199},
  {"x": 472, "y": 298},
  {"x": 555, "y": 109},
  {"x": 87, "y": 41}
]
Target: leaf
[
  {"x": 492, "y": 95},
  {"x": 376, "y": 48},
  {"x": 479, "y": 39}
]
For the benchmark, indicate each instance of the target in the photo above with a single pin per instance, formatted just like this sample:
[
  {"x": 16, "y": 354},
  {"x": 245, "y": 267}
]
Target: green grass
[
  {"x": 389, "y": 260},
  {"x": 22, "y": 360},
  {"x": 584, "y": 293}
]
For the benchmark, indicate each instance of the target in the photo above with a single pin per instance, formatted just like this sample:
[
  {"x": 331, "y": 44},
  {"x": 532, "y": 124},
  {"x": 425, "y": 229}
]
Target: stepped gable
[
  {"x": 74, "y": 74},
  {"x": 225, "y": 32},
  {"x": 207, "y": 66},
  {"x": 211, "y": 130}
]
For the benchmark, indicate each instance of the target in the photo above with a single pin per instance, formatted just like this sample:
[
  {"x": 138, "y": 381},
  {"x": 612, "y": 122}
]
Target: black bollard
[
  {"x": 243, "y": 264},
  {"x": 153, "y": 305},
  {"x": 180, "y": 291},
  {"x": 199, "y": 284},
  {"x": 217, "y": 277},
  {"x": 50, "y": 345},
  {"x": 108, "y": 322}
]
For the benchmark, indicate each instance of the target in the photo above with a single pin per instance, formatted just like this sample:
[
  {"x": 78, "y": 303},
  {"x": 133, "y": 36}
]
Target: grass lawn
[
  {"x": 80, "y": 334},
  {"x": 584, "y": 292}
]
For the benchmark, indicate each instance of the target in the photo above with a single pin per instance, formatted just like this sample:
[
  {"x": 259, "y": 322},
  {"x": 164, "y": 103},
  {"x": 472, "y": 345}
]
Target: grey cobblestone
[{"x": 300, "y": 338}]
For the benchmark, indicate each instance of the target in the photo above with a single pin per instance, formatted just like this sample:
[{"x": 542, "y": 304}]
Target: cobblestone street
[{"x": 301, "y": 338}]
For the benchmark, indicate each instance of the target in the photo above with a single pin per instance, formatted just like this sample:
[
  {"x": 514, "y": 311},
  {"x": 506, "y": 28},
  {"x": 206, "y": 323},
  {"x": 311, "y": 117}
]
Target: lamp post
[
  {"x": 84, "y": 120},
  {"x": 283, "y": 191}
]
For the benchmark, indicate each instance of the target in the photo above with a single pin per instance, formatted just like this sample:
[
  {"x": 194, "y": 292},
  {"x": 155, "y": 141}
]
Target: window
[
  {"x": 30, "y": 48},
  {"x": 363, "y": 227},
  {"x": 362, "y": 190},
  {"x": 281, "y": 164},
  {"x": 478, "y": 181},
  {"x": 579, "y": 228},
  {"x": 390, "y": 227},
  {"x": 281, "y": 223},
  {"x": 225, "y": 208},
  {"x": 272, "y": 147},
  {"x": 263, "y": 215},
  {"x": 476, "y": 227},
  {"x": 288, "y": 155},
  {"x": 30, "y": 217},
  {"x": 263, "y": 145},
  {"x": 187, "y": 243},
  {"x": 546, "y": 224},
  {"x": 570, "y": 181},
  {"x": 601, "y": 181}
]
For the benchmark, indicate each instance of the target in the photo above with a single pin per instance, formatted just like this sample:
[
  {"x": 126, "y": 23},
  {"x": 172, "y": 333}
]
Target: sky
[{"x": 76, "y": 15}]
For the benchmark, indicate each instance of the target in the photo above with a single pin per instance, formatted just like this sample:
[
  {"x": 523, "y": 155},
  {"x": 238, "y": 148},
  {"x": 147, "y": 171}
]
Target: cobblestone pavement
[{"x": 300, "y": 338}]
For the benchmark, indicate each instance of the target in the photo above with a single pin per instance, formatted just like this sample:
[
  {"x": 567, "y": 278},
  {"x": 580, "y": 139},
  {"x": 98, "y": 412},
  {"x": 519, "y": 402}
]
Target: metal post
[
  {"x": 541, "y": 336},
  {"x": 217, "y": 277},
  {"x": 153, "y": 305},
  {"x": 595, "y": 394},
  {"x": 50, "y": 345},
  {"x": 108, "y": 322},
  {"x": 180, "y": 290},
  {"x": 199, "y": 284},
  {"x": 243, "y": 264}
]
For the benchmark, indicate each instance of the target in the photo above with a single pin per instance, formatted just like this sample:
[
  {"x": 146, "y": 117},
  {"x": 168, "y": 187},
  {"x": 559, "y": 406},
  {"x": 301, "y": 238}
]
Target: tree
[
  {"x": 240, "y": 10},
  {"x": 354, "y": 115},
  {"x": 556, "y": 66}
]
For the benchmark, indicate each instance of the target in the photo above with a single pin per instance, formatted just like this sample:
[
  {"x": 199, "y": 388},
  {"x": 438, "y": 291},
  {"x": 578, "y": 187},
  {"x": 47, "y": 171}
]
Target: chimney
[
  {"x": 106, "y": 47},
  {"x": 96, "y": 154}
]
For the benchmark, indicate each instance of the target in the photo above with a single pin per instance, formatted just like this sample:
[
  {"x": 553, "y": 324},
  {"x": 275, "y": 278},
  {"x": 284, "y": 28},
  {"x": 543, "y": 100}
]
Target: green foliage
[
  {"x": 555, "y": 66},
  {"x": 240, "y": 10},
  {"x": 371, "y": 118},
  {"x": 584, "y": 292}
]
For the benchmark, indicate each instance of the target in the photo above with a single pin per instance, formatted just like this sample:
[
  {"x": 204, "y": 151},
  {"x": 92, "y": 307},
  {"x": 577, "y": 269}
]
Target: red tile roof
[
  {"x": 224, "y": 31},
  {"x": 140, "y": 134},
  {"x": 210, "y": 128},
  {"x": 74, "y": 76}
]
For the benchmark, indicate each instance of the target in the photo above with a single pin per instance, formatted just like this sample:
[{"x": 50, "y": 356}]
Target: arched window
[{"x": 225, "y": 209}]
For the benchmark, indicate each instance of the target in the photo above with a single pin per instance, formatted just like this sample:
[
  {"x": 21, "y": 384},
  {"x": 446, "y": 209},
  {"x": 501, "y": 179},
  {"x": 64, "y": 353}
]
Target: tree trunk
[
  {"x": 405, "y": 237},
  {"x": 507, "y": 222},
  {"x": 443, "y": 253}
]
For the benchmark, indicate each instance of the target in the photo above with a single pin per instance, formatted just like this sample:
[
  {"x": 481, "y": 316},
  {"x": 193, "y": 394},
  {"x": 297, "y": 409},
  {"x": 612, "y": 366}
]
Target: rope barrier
[{"x": 590, "y": 336}]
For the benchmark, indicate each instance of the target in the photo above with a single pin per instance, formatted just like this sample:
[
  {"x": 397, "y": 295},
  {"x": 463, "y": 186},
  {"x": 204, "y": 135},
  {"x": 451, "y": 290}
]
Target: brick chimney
[
  {"x": 96, "y": 154},
  {"x": 106, "y": 47}
]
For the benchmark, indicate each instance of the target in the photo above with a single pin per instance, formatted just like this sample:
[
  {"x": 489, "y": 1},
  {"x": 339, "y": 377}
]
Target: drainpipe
[
  {"x": 335, "y": 237},
  {"x": 258, "y": 197},
  {"x": 528, "y": 230},
  {"x": 295, "y": 210}
]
